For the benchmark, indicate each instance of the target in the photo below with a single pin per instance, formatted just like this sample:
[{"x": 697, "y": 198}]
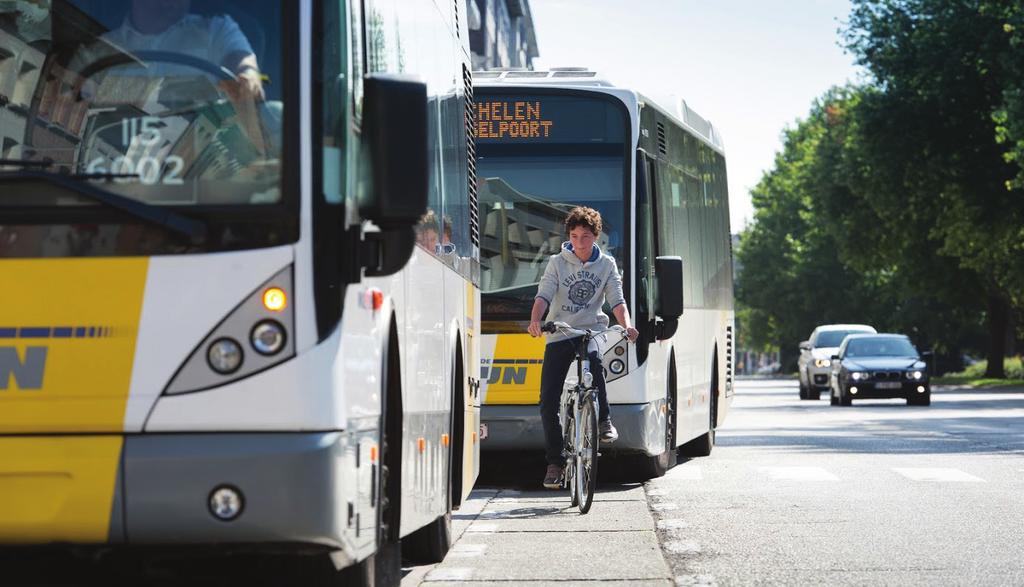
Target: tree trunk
[{"x": 998, "y": 315}]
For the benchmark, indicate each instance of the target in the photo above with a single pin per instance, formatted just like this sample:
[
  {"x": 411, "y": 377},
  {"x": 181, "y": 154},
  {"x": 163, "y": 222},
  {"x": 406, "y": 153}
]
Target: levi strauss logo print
[{"x": 582, "y": 287}]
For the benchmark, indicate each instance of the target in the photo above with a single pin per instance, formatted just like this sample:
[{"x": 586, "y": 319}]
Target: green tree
[
  {"x": 792, "y": 278},
  {"x": 930, "y": 166}
]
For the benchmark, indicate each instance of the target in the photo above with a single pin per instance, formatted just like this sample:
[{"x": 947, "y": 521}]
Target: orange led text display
[{"x": 511, "y": 119}]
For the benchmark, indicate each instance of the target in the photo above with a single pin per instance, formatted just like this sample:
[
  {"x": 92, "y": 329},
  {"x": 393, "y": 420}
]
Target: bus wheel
[
  {"x": 386, "y": 564},
  {"x": 703, "y": 444}
]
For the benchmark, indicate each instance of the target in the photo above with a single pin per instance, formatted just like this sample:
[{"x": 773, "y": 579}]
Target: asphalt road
[
  {"x": 800, "y": 492},
  {"x": 795, "y": 493}
]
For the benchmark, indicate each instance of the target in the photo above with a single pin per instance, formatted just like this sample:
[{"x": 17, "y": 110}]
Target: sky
[{"x": 751, "y": 67}]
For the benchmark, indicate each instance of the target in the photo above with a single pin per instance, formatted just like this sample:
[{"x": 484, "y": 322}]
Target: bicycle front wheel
[
  {"x": 586, "y": 453},
  {"x": 569, "y": 475}
]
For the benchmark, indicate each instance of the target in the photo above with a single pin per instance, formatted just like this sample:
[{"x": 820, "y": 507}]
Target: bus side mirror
[
  {"x": 669, "y": 305},
  {"x": 394, "y": 132}
]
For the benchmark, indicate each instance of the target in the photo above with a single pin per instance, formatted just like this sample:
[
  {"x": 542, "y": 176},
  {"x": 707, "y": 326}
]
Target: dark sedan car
[{"x": 879, "y": 366}]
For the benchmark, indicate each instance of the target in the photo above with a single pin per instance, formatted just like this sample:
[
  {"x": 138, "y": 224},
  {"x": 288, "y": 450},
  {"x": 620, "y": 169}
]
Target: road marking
[
  {"x": 682, "y": 547},
  {"x": 460, "y": 550},
  {"x": 663, "y": 507},
  {"x": 937, "y": 474},
  {"x": 800, "y": 473},
  {"x": 672, "y": 524},
  {"x": 450, "y": 574}
]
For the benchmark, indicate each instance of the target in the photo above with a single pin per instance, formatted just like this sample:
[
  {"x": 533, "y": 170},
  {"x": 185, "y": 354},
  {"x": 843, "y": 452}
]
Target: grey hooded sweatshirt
[{"x": 576, "y": 290}]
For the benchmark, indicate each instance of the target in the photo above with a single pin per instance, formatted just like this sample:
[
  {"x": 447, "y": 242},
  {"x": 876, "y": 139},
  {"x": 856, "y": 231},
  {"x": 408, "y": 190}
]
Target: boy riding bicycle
[{"x": 576, "y": 283}]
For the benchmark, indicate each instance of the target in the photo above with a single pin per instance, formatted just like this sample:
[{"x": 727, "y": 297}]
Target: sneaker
[
  {"x": 553, "y": 477},
  {"x": 608, "y": 432}
]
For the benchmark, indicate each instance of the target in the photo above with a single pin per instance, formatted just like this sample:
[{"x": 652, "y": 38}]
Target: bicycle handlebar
[{"x": 552, "y": 327}]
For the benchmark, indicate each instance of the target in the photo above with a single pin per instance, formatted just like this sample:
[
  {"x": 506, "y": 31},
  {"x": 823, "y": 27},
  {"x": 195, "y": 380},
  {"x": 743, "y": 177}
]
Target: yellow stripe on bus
[
  {"x": 67, "y": 341},
  {"x": 57, "y": 489},
  {"x": 514, "y": 372}
]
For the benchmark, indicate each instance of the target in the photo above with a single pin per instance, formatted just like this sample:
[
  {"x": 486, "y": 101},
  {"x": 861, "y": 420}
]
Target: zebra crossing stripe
[{"x": 937, "y": 474}]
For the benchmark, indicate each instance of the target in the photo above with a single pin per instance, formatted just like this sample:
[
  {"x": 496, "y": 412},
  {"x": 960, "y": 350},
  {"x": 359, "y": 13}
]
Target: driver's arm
[{"x": 245, "y": 67}]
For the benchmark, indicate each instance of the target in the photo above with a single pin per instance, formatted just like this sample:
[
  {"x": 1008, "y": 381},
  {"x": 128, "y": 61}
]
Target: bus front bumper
[
  {"x": 290, "y": 486},
  {"x": 158, "y": 491},
  {"x": 518, "y": 427}
]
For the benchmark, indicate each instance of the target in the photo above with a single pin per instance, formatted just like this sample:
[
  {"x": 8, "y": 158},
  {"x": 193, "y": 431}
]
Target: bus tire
[
  {"x": 430, "y": 544},
  {"x": 388, "y": 559},
  {"x": 705, "y": 443}
]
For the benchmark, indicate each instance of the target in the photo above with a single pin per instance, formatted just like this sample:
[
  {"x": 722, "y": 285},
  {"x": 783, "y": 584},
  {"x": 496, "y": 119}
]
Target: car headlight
[
  {"x": 915, "y": 375},
  {"x": 822, "y": 363},
  {"x": 858, "y": 375}
]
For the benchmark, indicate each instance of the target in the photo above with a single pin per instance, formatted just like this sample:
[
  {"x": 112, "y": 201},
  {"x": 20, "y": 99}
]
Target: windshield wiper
[{"x": 169, "y": 219}]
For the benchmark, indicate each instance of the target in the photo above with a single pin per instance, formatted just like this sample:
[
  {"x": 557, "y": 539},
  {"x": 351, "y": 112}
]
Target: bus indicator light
[
  {"x": 275, "y": 300},
  {"x": 422, "y": 444}
]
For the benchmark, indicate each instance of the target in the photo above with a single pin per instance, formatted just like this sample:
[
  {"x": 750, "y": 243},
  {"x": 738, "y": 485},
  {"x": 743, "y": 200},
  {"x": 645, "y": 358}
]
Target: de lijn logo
[{"x": 26, "y": 369}]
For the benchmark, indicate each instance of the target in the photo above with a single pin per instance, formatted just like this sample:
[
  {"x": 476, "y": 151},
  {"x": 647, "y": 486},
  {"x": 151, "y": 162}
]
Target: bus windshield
[
  {"x": 538, "y": 157},
  {"x": 167, "y": 102}
]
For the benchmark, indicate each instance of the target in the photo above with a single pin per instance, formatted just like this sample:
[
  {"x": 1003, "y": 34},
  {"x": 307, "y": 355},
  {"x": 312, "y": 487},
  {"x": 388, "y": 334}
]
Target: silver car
[{"x": 815, "y": 365}]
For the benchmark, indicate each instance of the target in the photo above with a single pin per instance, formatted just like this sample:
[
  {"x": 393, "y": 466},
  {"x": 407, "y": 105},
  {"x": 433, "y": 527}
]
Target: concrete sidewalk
[{"x": 535, "y": 538}]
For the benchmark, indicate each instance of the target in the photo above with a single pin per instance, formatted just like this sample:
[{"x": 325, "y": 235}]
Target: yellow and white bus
[
  {"x": 239, "y": 270},
  {"x": 549, "y": 141}
]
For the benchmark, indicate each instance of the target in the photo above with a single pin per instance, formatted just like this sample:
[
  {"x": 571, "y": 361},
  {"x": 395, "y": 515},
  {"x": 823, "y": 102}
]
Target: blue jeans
[{"x": 558, "y": 358}]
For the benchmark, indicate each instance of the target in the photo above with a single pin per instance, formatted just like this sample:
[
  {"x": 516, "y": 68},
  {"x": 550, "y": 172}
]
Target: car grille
[{"x": 887, "y": 375}]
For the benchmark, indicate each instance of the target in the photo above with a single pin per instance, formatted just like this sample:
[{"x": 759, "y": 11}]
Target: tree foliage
[{"x": 901, "y": 202}]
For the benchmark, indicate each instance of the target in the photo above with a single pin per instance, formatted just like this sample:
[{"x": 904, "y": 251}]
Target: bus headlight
[
  {"x": 220, "y": 357},
  {"x": 224, "y": 356},
  {"x": 617, "y": 366},
  {"x": 268, "y": 337}
]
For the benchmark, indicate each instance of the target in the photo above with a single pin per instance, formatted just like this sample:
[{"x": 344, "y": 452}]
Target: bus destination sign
[
  {"x": 548, "y": 119},
  {"x": 511, "y": 119}
]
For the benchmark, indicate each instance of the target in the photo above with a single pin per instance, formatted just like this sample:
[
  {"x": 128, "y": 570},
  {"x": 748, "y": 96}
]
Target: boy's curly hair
[{"x": 585, "y": 217}]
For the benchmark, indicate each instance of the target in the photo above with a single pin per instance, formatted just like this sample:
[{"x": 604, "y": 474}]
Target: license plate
[{"x": 889, "y": 385}]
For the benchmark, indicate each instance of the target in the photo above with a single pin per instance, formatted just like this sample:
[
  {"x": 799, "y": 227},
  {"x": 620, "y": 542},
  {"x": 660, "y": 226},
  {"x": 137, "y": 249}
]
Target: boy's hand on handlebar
[
  {"x": 632, "y": 334},
  {"x": 534, "y": 328}
]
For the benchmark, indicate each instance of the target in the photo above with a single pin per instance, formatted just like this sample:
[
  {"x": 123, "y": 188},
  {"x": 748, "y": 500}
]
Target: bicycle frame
[{"x": 575, "y": 399}]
